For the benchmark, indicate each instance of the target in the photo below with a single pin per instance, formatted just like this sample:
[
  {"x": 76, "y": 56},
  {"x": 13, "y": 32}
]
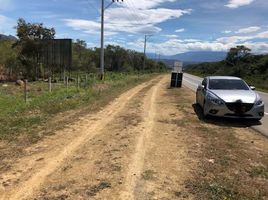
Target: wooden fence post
[
  {"x": 77, "y": 81},
  {"x": 64, "y": 77},
  {"x": 67, "y": 82},
  {"x": 49, "y": 84},
  {"x": 25, "y": 90},
  {"x": 86, "y": 81}
]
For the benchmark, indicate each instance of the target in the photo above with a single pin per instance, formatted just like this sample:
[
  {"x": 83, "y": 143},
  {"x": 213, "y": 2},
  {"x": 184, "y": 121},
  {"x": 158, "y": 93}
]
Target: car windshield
[{"x": 227, "y": 84}]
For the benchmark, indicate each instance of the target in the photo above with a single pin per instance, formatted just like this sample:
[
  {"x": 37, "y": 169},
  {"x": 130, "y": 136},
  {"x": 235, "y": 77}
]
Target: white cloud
[
  {"x": 236, "y": 39},
  {"x": 238, "y": 3},
  {"x": 7, "y": 25},
  {"x": 174, "y": 46},
  {"x": 3, "y": 19},
  {"x": 87, "y": 26},
  {"x": 191, "y": 40},
  {"x": 233, "y": 39},
  {"x": 180, "y": 30},
  {"x": 257, "y": 47},
  {"x": 263, "y": 34},
  {"x": 249, "y": 29},
  {"x": 141, "y": 17},
  {"x": 170, "y": 36},
  {"x": 62, "y": 35},
  {"x": 145, "y": 4},
  {"x": 92, "y": 27},
  {"x": 227, "y": 31},
  {"x": 118, "y": 20}
]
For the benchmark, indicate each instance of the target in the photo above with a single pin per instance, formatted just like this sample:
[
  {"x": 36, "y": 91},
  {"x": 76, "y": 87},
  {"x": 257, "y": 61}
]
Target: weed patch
[
  {"x": 148, "y": 175},
  {"x": 259, "y": 171},
  {"x": 18, "y": 117}
]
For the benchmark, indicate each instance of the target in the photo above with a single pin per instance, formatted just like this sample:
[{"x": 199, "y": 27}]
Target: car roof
[{"x": 224, "y": 77}]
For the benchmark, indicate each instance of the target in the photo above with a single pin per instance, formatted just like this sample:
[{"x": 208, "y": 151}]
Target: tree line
[
  {"x": 21, "y": 57},
  {"x": 239, "y": 62}
]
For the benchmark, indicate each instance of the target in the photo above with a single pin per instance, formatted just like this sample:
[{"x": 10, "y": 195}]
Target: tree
[
  {"x": 8, "y": 59},
  {"x": 237, "y": 53},
  {"x": 29, "y": 46},
  {"x": 79, "y": 51},
  {"x": 116, "y": 59}
]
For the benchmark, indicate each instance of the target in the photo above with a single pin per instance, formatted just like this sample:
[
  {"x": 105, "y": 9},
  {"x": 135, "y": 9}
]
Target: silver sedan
[{"x": 227, "y": 96}]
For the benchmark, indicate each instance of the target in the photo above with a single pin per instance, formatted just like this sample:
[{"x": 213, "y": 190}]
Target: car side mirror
[
  {"x": 200, "y": 87},
  {"x": 252, "y": 87}
]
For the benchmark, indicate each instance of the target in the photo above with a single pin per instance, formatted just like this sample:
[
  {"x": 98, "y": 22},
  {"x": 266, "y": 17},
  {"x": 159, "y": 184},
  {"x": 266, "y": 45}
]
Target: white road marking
[{"x": 266, "y": 113}]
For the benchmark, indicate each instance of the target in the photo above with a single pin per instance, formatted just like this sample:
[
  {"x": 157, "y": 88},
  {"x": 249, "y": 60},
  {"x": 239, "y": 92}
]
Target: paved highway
[{"x": 192, "y": 82}]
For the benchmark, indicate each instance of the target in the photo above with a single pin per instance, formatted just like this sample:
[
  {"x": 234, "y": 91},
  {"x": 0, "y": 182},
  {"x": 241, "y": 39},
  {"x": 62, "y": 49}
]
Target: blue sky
[{"x": 176, "y": 25}]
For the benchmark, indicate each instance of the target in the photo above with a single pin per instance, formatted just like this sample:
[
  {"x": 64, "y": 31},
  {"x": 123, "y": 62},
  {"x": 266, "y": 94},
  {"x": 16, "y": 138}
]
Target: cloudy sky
[{"x": 176, "y": 26}]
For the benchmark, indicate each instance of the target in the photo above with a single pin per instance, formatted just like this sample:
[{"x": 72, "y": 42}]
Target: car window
[{"x": 227, "y": 84}]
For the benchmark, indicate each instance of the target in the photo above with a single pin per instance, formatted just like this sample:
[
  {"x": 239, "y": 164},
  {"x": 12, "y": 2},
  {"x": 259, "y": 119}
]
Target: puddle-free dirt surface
[{"x": 146, "y": 144}]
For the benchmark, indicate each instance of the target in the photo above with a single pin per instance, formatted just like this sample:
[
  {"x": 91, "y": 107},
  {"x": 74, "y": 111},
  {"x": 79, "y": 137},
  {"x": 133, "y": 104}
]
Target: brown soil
[{"x": 147, "y": 144}]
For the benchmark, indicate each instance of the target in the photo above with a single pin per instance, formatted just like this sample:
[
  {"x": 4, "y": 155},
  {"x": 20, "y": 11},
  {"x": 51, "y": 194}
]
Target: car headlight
[
  {"x": 214, "y": 99},
  {"x": 258, "y": 102}
]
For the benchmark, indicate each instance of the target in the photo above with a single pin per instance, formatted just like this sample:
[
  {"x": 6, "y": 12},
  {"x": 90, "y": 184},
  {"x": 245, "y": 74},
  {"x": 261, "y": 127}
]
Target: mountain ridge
[
  {"x": 194, "y": 56},
  {"x": 7, "y": 37}
]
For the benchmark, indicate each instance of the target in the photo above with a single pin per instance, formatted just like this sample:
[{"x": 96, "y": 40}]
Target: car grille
[
  {"x": 238, "y": 115},
  {"x": 239, "y": 107}
]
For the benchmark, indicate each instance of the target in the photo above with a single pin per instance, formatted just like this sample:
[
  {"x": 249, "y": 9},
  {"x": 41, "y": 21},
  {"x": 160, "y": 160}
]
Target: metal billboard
[{"x": 56, "y": 54}]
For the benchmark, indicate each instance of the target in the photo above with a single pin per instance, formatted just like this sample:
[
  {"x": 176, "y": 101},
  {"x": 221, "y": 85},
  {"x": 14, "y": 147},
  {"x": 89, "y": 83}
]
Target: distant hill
[
  {"x": 195, "y": 56},
  {"x": 252, "y": 68},
  {"x": 7, "y": 37},
  {"x": 170, "y": 63}
]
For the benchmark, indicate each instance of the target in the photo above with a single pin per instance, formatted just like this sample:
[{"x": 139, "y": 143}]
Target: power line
[
  {"x": 94, "y": 7},
  {"x": 134, "y": 14},
  {"x": 141, "y": 19},
  {"x": 130, "y": 16}
]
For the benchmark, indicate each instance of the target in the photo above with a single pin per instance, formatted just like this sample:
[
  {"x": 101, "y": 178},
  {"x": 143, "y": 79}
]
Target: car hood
[{"x": 229, "y": 96}]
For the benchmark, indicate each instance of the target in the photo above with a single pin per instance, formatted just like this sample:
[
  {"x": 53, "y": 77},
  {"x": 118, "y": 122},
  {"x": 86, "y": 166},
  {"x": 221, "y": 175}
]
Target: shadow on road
[{"x": 221, "y": 121}]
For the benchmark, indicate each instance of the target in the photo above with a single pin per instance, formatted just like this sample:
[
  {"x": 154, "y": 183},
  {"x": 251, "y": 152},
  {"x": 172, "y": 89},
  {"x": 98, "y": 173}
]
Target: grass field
[{"x": 18, "y": 118}]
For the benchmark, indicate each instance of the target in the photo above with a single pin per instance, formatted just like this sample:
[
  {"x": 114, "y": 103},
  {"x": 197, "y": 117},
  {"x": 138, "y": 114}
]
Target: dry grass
[{"x": 230, "y": 167}]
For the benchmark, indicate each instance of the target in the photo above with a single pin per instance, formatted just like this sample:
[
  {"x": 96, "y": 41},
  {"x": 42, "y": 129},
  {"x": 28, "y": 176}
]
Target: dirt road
[{"x": 146, "y": 144}]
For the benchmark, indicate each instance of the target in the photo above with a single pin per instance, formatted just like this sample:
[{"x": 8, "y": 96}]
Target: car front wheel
[
  {"x": 196, "y": 99},
  {"x": 205, "y": 113}
]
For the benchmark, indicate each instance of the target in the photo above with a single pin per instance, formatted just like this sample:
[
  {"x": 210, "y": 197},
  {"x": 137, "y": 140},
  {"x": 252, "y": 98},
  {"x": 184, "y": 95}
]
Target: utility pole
[
  {"x": 144, "y": 52},
  {"x": 102, "y": 42},
  {"x": 103, "y": 8}
]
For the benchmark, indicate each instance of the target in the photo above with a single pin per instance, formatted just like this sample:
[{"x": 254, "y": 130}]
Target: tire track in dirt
[
  {"x": 98, "y": 169},
  {"x": 167, "y": 163},
  {"x": 145, "y": 128},
  {"x": 54, "y": 159}
]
